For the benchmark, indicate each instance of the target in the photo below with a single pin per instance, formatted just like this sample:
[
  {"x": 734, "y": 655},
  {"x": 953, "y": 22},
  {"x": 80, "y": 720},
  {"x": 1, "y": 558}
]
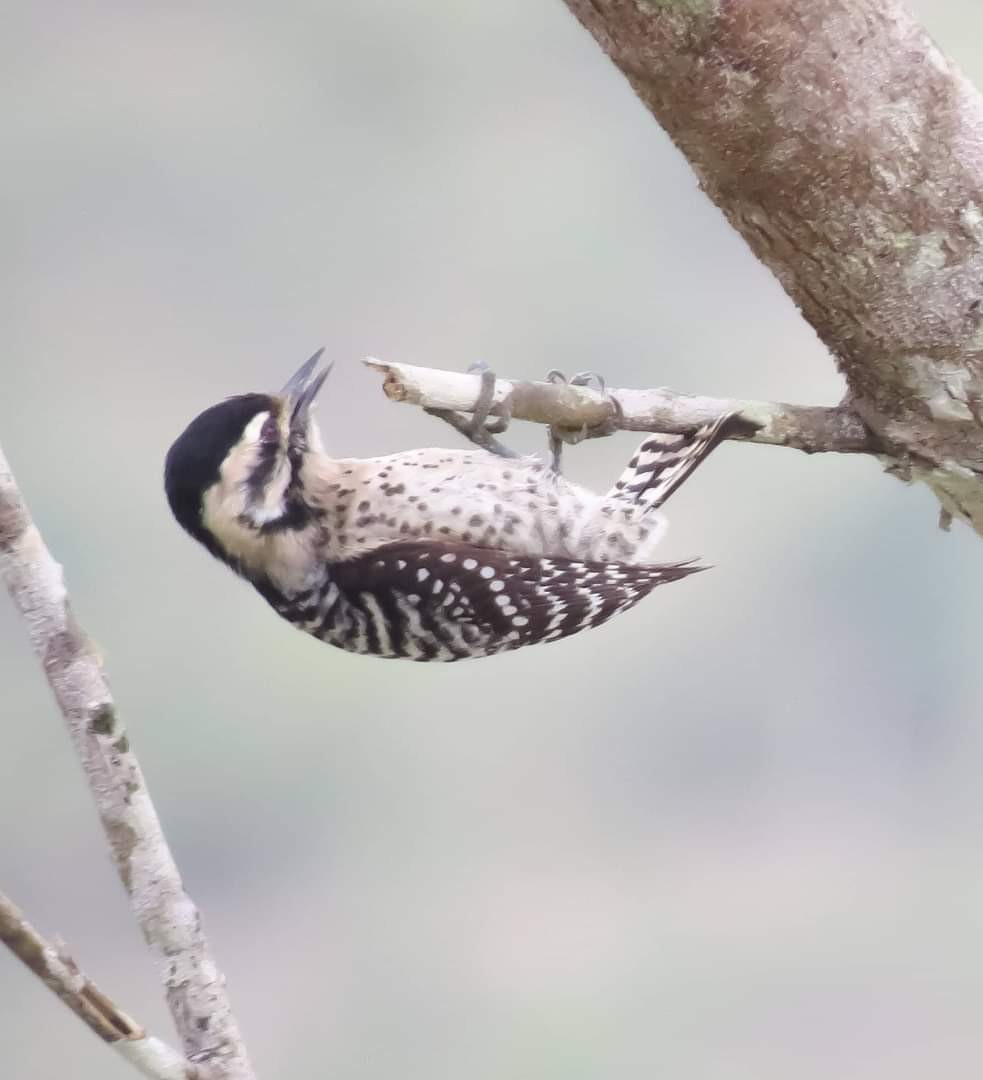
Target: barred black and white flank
[{"x": 428, "y": 554}]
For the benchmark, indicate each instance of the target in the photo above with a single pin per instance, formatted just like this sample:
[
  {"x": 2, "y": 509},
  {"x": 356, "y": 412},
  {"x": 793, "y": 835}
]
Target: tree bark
[
  {"x": 146, "y": 1053},
  {"x": 168, "y": 917},
  {"x": 848, "y": 152}
]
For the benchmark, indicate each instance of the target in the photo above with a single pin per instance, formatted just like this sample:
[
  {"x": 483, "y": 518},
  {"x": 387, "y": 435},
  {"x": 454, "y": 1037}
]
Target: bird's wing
[{"x": 472, "y": 601}]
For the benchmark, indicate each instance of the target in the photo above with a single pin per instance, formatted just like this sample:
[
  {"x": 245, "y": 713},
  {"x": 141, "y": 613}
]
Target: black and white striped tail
[{"x": 663, "y": 462}]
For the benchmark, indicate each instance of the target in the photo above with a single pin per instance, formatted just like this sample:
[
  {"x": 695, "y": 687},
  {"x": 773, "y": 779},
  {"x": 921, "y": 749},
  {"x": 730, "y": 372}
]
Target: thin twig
[
  {"x": 578, "y": 408},
  {"x": 170, "y": 922},
  {"x": 61, "y": 975}
]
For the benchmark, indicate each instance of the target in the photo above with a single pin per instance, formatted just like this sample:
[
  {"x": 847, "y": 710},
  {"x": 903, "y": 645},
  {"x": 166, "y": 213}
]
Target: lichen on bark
[{"x": 848, "y": 151}]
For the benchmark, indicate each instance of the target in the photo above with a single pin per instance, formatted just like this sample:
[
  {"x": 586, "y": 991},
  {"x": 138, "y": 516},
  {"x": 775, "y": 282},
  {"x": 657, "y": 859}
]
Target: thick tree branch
[
  {"x": 812, "y": 429},
  {"x": 169, "y": 920},
  {"x": 59, "y": 973},
  {"x": 848, "y": 151}
]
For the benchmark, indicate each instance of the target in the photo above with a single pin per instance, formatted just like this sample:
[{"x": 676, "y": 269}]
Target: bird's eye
[{"x": 271, "y": 431}]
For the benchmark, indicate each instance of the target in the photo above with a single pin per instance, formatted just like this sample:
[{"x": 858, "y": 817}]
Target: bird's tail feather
[{"x": 663, "y": 462}]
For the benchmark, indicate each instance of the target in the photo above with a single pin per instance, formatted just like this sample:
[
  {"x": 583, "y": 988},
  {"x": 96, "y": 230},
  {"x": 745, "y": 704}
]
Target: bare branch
[
  {"x": 62, "y": 977},
  {"x": 812, "y": 429},
  {"x": 169, "y": 920}
]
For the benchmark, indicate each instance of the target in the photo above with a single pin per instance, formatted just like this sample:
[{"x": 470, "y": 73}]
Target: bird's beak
[{"x": 303, "y": 387}]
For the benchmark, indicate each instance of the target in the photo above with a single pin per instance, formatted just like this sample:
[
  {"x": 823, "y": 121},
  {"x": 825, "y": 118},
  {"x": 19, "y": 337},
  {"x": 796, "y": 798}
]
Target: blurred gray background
[{"x": 736, "y": 833}]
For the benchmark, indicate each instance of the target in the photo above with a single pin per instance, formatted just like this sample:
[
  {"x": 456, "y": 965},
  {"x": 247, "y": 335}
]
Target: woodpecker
[{"x": 427, "y": 554}]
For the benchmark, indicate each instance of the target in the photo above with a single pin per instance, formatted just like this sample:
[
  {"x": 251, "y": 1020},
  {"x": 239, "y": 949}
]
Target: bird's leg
[
  {"x": 558, "y": 436},
  {"x": 477, "y": 427},
  {"x": 482, "y": 407}
]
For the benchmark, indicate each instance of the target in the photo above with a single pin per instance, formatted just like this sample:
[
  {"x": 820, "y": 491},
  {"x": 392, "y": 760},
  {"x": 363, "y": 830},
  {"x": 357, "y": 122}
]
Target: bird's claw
[
  {"x": 486, "y": 397},
  {"x": 558, "y": 436},
  {"x": 582, "y": 378},
  {"x": 477, "y": 427}
]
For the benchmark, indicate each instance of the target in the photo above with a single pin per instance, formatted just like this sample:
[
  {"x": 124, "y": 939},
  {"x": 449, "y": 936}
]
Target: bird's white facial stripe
[
  {"x": 250, "y": 491},
  {"x": 264, "y": 513},
  {"x": 260, "y": 503},
  {"x": 254, "y": 427}
]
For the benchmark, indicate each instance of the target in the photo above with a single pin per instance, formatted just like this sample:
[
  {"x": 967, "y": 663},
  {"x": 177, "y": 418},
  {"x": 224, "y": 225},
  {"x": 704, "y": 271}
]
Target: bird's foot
[
  {"x": 558, "y": 436},
  {"x": 476, "y": 426}
]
